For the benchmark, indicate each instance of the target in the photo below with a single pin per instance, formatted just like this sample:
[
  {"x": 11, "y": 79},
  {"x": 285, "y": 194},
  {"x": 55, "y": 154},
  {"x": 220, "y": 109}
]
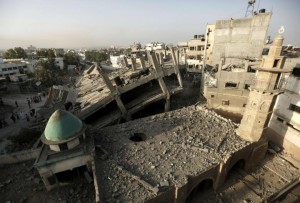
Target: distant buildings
[
  {"x": 59, "y": 52},
  {"x": 118, "y": 61},
  {"x": 197, "y": 52},
  {"x": 192, "y": 52},
  {"x": 154, "y": 46},
  {"x": 11, "y": 67},
  {"x": 59, "y": 61}
]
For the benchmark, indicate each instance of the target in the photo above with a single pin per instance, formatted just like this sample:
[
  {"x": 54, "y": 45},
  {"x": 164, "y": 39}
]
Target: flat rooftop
[{"x": 139, "y": 159}]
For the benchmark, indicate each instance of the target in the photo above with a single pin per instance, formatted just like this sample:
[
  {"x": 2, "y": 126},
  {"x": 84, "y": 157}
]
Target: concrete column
[
  {"x": 158, "y": 58},
  {"x": 133, "y": 64},
  {"x": 126, "y": 62},
  {"x": 114, "y": 92},
  {"x": 162, "y": 84},
  {"x": 143, "y": 64},
  {"x": 176, "y": 68},
  {"x": 161, "y": 58},
  {"x": 246, "y": 65},
  {"x": 219, "y": 70},
  {"x": 177, "y": 56}
]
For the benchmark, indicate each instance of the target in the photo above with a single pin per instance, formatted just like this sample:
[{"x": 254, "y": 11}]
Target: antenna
[{"x": 250, "y": 8}]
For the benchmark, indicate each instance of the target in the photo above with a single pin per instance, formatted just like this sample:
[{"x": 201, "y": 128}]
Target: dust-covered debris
[{"x": 171, "y": 147}]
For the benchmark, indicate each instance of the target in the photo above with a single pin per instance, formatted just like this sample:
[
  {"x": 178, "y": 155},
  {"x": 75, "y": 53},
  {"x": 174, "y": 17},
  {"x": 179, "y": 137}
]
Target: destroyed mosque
[{"x": 195, "y": 153}]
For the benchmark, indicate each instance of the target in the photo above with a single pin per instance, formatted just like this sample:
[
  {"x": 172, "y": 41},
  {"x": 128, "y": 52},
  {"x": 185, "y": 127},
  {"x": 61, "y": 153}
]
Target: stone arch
[
  {"x": 204, "y": 185},
  {"x": 239, "y": 164}
]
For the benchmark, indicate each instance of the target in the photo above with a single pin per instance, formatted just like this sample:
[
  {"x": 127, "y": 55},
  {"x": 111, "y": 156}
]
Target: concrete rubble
[{"x": 176, "y": 145}]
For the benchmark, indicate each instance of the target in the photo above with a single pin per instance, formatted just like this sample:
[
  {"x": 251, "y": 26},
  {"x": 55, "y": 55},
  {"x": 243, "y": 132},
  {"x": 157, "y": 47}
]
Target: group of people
[
  {"x": 3, "y": 123},
  {"x": 1, "y": 102},
  {"x": 18, "y": 114},
  {"x": 14, "y": 117}
]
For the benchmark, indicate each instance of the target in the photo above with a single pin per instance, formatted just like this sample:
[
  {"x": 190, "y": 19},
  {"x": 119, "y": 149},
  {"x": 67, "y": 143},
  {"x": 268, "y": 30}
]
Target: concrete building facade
[
  {"x": 192, "y": 53},
  {"x": 235, "y": 52},
  {"x": 12, "y": 67},
  {"x": 235, "y": 40}
]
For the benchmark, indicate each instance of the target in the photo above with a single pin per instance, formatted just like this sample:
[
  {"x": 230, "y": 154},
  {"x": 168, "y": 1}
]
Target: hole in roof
[{"x": 138, "y": 137}]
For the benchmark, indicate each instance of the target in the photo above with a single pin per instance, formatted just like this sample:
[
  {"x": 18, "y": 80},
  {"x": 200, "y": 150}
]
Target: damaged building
[
  {"x": 106, "y": 99},
  {"x": 237, "y": 49},
  {"x": 67, "y": 147},
  {"x": 191, "y": 154}
]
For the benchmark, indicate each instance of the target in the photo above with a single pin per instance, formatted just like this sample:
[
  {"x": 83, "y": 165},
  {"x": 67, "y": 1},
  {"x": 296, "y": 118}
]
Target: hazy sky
[{"x": 94, "y": 23}]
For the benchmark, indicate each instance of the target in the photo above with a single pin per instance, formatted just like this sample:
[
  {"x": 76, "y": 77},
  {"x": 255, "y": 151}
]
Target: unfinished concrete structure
[
  {"x": 236, "y": 50},
  {"x": 109, "y": 98},
  {"x": 237, "y": 39},
  {"x": 67, "y": 147},
  {"x": 263, "y": 92}
]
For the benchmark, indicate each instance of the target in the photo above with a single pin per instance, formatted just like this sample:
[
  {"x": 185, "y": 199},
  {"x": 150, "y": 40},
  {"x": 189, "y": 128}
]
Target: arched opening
[
  {"x": 69, "y": 176},
  {"x": 204, "y": 188},
  {"x": 234, "y": 170}
]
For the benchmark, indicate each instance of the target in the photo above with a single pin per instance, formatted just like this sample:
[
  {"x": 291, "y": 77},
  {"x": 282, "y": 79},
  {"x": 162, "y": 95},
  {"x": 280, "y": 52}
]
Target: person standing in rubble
[
  {"x": 17, "y": 105},
  {"x": 13, "y": 118},
  {"x": 28, "y": 101},
  {"x": 27, "y": 117},
  {"x": 32, "y": 112}
]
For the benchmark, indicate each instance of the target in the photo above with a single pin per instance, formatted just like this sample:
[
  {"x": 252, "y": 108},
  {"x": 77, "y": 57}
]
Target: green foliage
[
  {"x": 17, "y": 52},
  {"x": 47, "y": 71},
  {"x": 71, "y": 59},
  {"x": 96, "y": 56},
  {"x": 127, "y": 51},
  {"x": 48, "y": 53}
]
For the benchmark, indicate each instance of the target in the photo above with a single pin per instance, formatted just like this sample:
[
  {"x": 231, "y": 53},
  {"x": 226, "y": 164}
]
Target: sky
[{"x": 99, "y": 23}]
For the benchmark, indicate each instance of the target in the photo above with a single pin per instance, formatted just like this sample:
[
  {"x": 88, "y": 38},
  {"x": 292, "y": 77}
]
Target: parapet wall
[
  {"x": 250, "y": 156},
  {"x": 20, "y": 156}
]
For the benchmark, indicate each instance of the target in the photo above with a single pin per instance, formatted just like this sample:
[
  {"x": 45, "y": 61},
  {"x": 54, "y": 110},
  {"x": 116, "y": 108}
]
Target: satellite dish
[{"x": 38, "y": 83}]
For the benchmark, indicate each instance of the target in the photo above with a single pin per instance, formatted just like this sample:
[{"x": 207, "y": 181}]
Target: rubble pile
[
  {"x": 22, "y": 183},
  {"x": 140, "y": 158}
]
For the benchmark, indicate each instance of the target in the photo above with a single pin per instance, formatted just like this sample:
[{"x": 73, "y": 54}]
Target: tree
[
  {"x": 71, "y": 59},
  {"x": 17, "y": 52},
  {"x": 46, "y": 53},
  {"x": 47, "y": 71},
  {"x": 96, "y": 56}
]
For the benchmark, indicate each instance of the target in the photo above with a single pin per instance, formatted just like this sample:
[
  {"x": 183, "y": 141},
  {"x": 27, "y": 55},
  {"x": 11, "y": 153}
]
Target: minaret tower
[{"x": 263, "y": 93}]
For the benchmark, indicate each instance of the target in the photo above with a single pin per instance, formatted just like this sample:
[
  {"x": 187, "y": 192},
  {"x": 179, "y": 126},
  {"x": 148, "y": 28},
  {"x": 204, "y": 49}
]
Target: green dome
[{"x": 61, "y": 127}]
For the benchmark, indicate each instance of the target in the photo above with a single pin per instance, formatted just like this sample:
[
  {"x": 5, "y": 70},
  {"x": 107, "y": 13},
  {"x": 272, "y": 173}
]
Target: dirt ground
[
  {"x": 22, "y": 183},
  {"x": 13, "y": 129}
]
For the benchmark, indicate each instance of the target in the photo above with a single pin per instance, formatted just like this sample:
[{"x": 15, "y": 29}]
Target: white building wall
[
  {"x": 285, "y": 121},
  {"x": 59, "y": 62},
  {"x": 117, "y": 61}
]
